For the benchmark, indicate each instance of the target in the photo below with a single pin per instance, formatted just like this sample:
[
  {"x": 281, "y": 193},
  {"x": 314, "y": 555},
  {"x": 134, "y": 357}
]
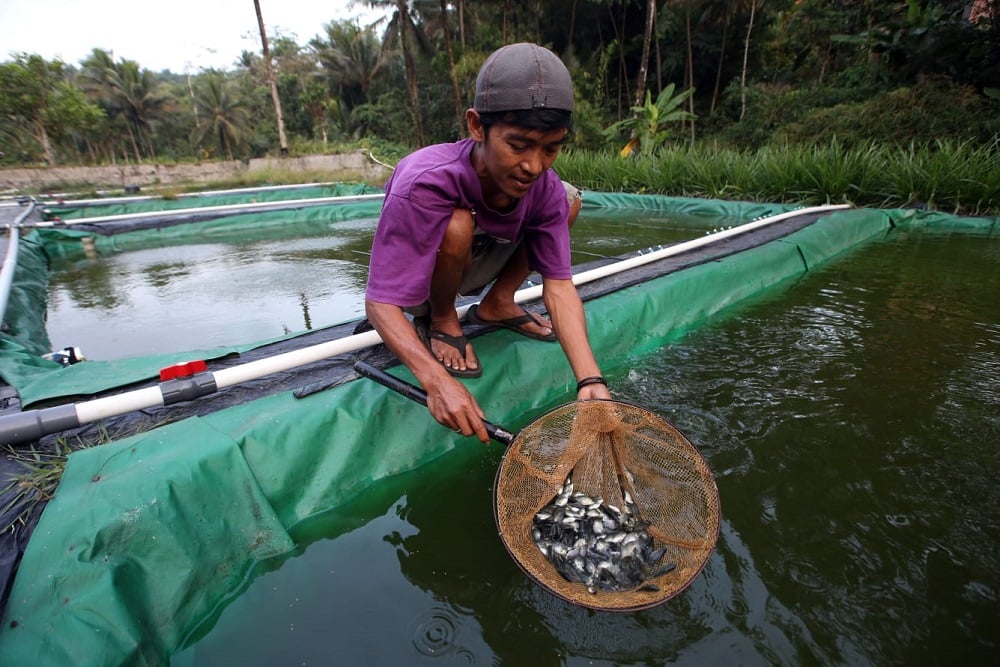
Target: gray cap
[{"x": 523, "y": 76}]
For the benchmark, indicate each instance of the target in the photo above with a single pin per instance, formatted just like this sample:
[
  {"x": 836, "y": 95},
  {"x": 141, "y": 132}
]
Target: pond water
[
  {"x": 200, "y": 296},
  {"x": 852, "y": 421}
]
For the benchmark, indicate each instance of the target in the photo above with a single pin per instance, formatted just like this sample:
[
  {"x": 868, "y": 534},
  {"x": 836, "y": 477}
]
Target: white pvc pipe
[
  {"x": 9, "y": 265},
  {"x": 149, "y": 397},
  {"x": 188, "y": 195},
  {"x": 290, "y": 203},
  {"x": 119, "y": 404},
  {"x": 228, "y": 377},
  {"x": 534, "y": 292}
]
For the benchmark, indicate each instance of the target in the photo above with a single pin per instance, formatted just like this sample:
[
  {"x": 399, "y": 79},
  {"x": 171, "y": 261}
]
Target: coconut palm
[
  {"x": 135, "y": 91},
  {"x": 351, "y": 57},
  {"x": 403, "y": 32},
  {"x": 95, "y": 81},
  {"x": 647, "y": 38},
  {"x": 127, "y": 93},
  {"x": 224, "y": 115},
  {"x": 272, "y": 84},
  {"x": 455, "y": 91}
]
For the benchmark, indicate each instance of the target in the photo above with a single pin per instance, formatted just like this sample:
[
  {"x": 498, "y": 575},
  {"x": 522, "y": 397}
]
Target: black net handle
[{"x": 417, "y": 394}]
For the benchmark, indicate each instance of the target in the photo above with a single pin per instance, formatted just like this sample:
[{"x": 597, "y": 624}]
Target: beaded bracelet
[{"x": 594, "y": 379}]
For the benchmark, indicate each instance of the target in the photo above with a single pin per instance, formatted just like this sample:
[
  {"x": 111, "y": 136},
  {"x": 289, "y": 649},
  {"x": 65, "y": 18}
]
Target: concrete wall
[{"x": 348, "y": 166}]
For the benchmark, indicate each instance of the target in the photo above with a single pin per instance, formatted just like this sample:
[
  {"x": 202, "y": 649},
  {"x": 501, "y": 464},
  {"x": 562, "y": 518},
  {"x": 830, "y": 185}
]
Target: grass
[
  {"x": 961, "y": 177},
  {"x": 952, "y": 176},
  {"x": 41, "y": 468},
  {"x": 27, "y": 491}
]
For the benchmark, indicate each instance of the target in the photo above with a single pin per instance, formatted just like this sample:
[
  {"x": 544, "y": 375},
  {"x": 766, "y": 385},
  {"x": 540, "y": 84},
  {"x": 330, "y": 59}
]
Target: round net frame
[{"x": 608, "y": 449}]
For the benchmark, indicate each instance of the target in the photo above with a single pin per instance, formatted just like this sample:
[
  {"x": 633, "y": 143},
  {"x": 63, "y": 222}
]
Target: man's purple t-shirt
[{"x": 420, "y": 197}]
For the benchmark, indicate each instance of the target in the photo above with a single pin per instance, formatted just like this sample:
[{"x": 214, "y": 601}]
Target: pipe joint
[
  {"x": 33, "y": 424},
  {"x": 187, "y": 388}
]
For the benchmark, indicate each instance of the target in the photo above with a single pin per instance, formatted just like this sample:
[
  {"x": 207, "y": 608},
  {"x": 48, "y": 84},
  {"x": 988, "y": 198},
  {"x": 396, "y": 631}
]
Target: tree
[
  {"x": 746, "y": 57},
  {"x": 37, "y": 100},
  {"x": 457, "y": 94},
  {"x": 128, "y": 94},
  {"x": 640, "y": 87},
  {"x": 136, "y": 94},
  {"x": 225, "y": 114},
  {"x": 402, "y": 31},
  {"x": 269, "y": 68},
  {"x": 351, "y": 57},
  {"x": 317, "y": 101}
]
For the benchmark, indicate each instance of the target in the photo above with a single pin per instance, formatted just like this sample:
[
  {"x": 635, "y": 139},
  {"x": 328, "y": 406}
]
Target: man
[{"x": 458, "y": 216}]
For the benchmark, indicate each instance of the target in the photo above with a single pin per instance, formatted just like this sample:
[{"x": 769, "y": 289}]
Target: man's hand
[
  {"x": 448, "y": 400},
  {"x": 593, "y": 391},
  {"x": 451, "y": 404}
]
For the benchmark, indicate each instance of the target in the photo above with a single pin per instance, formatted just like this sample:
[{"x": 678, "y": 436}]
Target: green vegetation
[
  {"x": 864, "y": 101},
  {"x": 958, "y": 177},
  {"x": 34, "y": 485}
]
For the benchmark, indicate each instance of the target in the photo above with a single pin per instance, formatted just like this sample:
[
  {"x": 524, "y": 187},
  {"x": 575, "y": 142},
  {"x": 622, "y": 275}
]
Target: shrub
[{"x": 928, "y": 111}]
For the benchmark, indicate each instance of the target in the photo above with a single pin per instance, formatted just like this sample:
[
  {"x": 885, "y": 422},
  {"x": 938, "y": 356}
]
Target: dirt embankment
[{"x": 345, "y": 167}]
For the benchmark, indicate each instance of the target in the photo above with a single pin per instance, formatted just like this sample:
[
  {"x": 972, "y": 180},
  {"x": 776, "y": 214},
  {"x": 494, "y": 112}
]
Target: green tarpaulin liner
[
  {"x": 76, "y": 211},
  {"x": 150, "y": 536},
  {"x": 38, "y": 380},
  {"x": 259, "y": 225}
]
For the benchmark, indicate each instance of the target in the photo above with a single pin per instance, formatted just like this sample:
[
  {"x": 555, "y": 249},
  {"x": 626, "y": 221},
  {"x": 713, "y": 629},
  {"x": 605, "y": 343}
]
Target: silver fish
[{"x": 597, "y": 544}]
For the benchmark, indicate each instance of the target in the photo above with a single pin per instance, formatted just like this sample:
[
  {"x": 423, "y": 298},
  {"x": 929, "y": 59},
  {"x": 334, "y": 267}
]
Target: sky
[{"x": 179, "y": 35}]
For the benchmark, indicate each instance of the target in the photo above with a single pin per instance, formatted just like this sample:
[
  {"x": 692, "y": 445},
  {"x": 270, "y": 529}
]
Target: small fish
[{"x": 596, "y": 544}]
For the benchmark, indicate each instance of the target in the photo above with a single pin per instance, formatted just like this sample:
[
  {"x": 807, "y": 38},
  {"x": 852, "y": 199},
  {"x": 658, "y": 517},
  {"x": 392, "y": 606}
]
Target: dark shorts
[{"x": 489, "y": 256}]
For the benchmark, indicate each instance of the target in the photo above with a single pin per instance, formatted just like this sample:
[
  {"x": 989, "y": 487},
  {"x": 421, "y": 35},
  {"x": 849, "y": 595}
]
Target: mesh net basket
[{"x": 622, "y": 455}]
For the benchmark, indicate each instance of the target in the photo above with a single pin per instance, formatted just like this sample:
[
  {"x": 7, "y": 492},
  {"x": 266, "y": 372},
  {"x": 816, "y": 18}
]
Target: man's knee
[
  {"x": 575, "y": 198},
  {"x": 458, "y": 235}
]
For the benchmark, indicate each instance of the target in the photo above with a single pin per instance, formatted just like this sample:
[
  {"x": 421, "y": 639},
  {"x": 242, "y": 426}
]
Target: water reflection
[{"x": 229, "y": 290}]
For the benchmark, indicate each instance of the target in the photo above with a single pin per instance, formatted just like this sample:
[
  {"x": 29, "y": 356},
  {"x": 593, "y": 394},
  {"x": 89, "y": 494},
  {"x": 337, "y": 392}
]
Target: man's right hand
[
  {"x": 452, "y": 405},
  {"x": 448, "y": 400}
]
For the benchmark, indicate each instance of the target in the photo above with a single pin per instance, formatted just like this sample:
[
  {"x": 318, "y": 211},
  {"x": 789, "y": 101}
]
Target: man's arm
[
  {"x": 570, "y": 324},
  {"x": 449, "y": 402}
]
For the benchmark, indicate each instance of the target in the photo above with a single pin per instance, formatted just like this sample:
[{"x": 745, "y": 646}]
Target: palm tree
[
  {"x": 351, "y": 57},
  {"x": 282, "y": 140},
  {"x": 451, "y": 63},
  {"x": 95, "y": 81},
  {"x": 226, "y": 114},
  {"x": 127, "y": 93},
  {"x": 754, "y": 4},
  {"x": 647, "y": 38},
  {"x": 135, "y": 93},
  {"x": 402, "y": 29}
]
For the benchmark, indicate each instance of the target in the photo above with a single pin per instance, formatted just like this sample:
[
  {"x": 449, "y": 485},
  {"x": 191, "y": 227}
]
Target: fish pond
[{"x": 851, "y": 418}]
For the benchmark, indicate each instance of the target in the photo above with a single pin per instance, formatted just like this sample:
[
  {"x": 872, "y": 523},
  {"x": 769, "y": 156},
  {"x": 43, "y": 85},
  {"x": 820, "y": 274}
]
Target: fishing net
[{"x": 607, "y": 505}]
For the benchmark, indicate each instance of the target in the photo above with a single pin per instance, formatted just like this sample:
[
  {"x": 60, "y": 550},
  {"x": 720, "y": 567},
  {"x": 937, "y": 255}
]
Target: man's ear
[{"x": 475, "y": 124}]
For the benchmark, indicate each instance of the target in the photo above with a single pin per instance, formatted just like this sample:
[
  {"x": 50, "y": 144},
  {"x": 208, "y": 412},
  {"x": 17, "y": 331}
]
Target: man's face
[{"x": 513, "y": 157}]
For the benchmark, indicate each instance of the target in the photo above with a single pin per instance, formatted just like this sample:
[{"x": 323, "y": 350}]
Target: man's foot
[
  {"x": 453, "y": 351},
  {"x": 525, "y": 323}
]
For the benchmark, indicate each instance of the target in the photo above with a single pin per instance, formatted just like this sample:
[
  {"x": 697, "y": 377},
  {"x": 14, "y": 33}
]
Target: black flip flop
[
  {"x": 458, "y": 342},
  {"x": 512, "y": 323}
]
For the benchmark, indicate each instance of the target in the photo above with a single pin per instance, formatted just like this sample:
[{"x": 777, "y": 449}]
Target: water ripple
[{"x": 436, "y": 632}]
